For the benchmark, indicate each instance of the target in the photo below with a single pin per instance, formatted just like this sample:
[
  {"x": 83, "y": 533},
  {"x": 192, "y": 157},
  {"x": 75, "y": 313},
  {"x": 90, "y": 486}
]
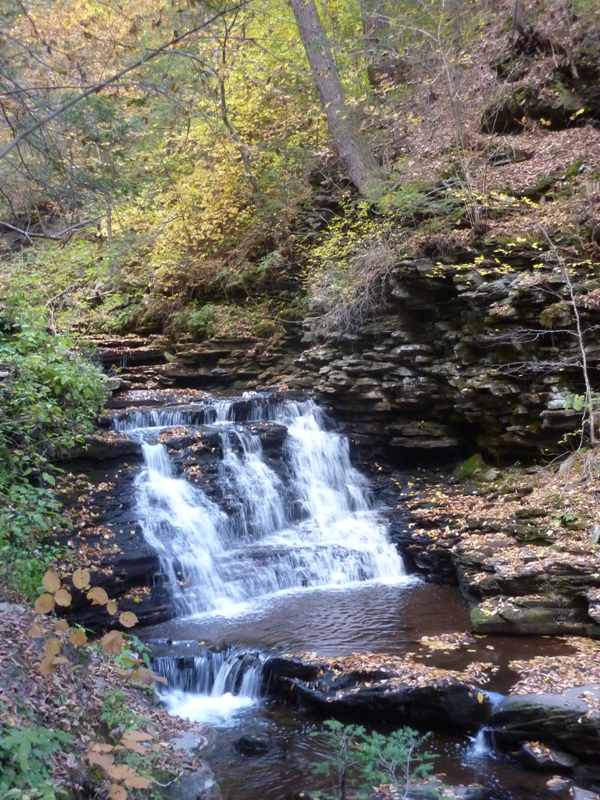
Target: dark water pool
[{"x": 387, "y": 618}]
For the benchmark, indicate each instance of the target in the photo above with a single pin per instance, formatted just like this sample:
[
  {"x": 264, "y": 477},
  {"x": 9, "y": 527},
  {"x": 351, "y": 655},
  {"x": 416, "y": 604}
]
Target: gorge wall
[{"x": 471, "y": 357}]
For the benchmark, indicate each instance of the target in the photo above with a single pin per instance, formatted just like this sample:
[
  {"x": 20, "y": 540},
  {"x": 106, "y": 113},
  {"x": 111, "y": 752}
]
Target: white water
[
  {"x": 309, "y": 524},
  {"x": 214, "y": 688},
  {"x": 318, "y": 528},
  {"x": 481, "y": 744}
]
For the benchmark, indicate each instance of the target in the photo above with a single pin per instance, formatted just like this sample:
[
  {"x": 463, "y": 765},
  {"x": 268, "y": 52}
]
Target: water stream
[{"x": 282, "y": 549}]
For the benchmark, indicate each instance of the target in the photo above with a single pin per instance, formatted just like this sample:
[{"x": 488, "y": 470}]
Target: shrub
[
  {"x": 49, "y": 398},
  {"x": 366, "y": 760}
]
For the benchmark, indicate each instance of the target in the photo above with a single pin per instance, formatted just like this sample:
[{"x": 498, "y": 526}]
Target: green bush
[
  {"x": 23, "y": 762},
  {"x": 360, "y": 760},
  {"x": 49, "y": 398}
]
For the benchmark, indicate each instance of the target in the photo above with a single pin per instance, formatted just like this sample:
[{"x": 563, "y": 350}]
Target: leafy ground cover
[
  {"x": 60, "y": 732},
  {"x": 50, "y": 396}
]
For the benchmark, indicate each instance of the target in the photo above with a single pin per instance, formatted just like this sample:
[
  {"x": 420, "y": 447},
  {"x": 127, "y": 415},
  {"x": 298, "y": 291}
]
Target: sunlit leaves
[
  {"x": 81, "y": 578},
  {"x": 128, "y": 619}
]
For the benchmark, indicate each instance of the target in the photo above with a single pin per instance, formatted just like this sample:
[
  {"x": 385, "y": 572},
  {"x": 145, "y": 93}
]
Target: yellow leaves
[
  {"x": 132, "y": 740},
  {"x": 63, "y": 598},
  {"x": 47, "y": 666},
  {"x": 98, "y": 596},
  {"x": 112, "y": 642},
  {"x": 112, "y": 607},
  {"x": 78, "y": 637},
  {"x": 147, "y": 677},
  {"x": 104, "y": 760},
  {"x": 122, "y": 776},
  {"x": 52, "y": 647},
  {"x": 44, "y": 604},
  {"x": 81, "y": 578},
  {"x": 128, "y": 619},
  {"x": 35, "y": 631},
  {"x": 51, "y": 582},
  {"x": 480, "y": 697},
  {"x": 122, "y": 772}
]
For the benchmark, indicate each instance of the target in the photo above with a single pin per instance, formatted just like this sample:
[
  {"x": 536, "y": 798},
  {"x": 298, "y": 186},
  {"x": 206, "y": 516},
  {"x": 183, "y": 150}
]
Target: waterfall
[
  {"x": 212, "y": 687},
  {"x": 482, "y": 744},
  {"x": 308, "y": 523}
]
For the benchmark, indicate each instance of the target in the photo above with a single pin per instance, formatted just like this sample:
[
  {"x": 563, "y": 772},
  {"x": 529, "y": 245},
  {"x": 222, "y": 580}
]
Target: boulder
[
  {"x": 251, "y": 745},
  {"x": 564, "y": 721},
  {"x": 537, "y": 615},
  {"x": 398, "y": 690}
]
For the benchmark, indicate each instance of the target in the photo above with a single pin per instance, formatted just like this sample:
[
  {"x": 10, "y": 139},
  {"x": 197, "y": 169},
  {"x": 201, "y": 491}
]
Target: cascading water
[
  {"x": 316, "y": 527},
  {"x": 212, "y": 687},
  {"x": 296, "y": 520}
]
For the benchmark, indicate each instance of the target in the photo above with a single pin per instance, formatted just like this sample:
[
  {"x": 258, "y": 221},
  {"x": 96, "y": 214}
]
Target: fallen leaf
[{"x": 35, "y": 630}]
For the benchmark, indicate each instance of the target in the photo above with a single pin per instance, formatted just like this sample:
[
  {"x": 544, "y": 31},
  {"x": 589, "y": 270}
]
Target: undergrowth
[{"x": 49, "y": 398}]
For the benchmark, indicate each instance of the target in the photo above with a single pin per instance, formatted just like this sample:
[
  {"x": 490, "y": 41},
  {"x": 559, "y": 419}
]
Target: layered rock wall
[{"x": 460, "y": 358}]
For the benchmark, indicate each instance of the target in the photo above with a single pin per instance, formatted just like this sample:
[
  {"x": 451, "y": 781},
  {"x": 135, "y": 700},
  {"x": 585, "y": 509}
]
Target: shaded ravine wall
[{"x": 470, "y": 360}]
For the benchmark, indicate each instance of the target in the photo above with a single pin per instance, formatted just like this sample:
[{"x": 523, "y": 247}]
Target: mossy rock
[{"x": 475, "y": 468}]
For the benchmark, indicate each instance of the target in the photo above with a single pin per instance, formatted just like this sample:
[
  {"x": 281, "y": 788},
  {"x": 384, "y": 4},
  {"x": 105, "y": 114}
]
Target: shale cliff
[{"x": 471, "y": 357}]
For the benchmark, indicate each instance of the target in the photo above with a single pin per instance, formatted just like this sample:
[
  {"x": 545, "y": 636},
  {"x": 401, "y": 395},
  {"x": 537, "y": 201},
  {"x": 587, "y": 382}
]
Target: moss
[{"x": 473, "y": 467}]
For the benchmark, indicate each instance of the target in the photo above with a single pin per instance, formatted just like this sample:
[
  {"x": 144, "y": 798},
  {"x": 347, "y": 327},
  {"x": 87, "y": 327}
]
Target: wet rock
[
  {"x": 537, "y": 615},
  {"x": 197, "y": 785},
  {"x": 588, "y": 773},
  {"x": 563, "y": 721},
  {"x": 397, "y": 690},
  {"x": 190, "y": 741},
  {"x": 593, "y": 597},
  {"x": 105, "y": 445},
  {"x": 473, "y": 792},
  {"x": 545, "y": 758},
  {"x": 577, "y": 793},
  {"x": 251, "y": 745}
]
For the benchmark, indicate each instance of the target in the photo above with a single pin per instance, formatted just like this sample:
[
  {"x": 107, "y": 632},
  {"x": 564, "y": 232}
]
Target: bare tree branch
[
  {"x": 147, "y": 56},
  {"x": 57, "y": 236}
]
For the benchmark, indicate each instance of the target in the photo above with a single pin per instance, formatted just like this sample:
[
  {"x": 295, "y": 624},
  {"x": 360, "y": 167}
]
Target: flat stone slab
[
  {"x": 397, "y": 689},
  {"x": 569, "y": 721}
]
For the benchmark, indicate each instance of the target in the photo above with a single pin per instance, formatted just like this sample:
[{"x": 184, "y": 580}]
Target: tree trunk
[{"x": 358, "y": 159}]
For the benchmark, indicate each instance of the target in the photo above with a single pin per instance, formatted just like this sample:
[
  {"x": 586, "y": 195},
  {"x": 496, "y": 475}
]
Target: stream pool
[{"x": 277, "y": 546}]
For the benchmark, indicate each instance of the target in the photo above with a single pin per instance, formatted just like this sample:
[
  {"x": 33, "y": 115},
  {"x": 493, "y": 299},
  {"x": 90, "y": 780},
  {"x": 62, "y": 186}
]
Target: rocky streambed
[{"x": 519, "y": 545}]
